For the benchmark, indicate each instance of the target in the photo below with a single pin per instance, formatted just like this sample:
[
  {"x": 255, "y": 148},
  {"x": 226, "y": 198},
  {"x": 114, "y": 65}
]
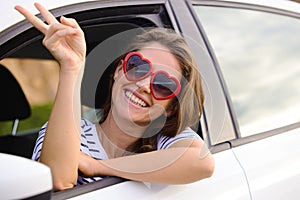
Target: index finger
[{"x": 35, "y": 21}]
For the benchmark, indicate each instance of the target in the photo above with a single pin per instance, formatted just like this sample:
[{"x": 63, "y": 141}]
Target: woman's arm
[
  {"x": 185, "y": 161},
  {"x": 61, "y": 146}
]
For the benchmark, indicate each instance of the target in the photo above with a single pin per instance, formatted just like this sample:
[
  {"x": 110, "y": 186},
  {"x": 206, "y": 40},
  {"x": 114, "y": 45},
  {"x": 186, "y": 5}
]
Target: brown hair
[{"x": 186, "y": 107}]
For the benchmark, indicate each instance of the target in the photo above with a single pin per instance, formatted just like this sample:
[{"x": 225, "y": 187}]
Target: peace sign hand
[{"x": 64, "y": 39}]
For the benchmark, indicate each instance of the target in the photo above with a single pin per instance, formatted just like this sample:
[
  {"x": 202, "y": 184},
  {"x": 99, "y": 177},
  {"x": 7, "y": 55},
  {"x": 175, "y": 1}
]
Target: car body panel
[
  {"x": 272, "y": 166},
  {"x": 228, "y": 177}
]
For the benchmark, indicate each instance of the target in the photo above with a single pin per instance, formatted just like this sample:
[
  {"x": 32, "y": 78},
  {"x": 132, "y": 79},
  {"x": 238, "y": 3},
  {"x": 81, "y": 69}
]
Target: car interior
[{"x": 14, "y": 107}]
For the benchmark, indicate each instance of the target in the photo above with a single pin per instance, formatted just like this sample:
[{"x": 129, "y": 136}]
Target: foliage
[{"x": 39, "y": 115}]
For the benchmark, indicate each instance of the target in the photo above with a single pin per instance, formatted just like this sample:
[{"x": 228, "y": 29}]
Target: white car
[{"x": 248, "y": 54}]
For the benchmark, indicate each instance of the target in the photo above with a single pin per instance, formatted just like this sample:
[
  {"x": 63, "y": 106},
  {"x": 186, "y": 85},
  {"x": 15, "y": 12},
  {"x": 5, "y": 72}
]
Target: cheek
[
  {"x": 170, "y": 107},
  {"x": 163, "y": 104},
  {"x": 156, "y": 111},
  {"x": 116, "y": 91},
  {"x": 119, "y": 81}
]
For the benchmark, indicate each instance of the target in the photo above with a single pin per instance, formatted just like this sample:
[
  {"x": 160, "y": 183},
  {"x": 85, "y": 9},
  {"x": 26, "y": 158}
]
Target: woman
[{"x": 143, "y": 133}]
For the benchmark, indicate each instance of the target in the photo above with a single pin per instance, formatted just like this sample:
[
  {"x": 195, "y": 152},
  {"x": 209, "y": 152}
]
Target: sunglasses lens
[
  {"x": 136, "y": 68},
  {"x": 163, "y": 86}
]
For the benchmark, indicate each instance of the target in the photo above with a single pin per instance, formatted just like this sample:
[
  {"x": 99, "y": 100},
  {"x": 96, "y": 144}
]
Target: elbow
[
  {"x": 60, "y": 185},
  {"x": 200, "y": 169},
  {"x": 199, "y": 172},
  {"x": 206, "y": 169},
  {"x": 210, "y": 168},
  {"x": 63, "y": 183}
]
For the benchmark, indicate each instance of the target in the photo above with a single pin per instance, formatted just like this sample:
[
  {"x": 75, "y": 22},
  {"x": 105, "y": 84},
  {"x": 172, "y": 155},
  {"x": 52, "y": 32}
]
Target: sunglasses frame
[{"x": 152, "y": 74}]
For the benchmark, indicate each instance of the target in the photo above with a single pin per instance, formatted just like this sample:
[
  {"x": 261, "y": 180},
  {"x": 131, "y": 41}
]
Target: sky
[{"x": 7, "y": 9}]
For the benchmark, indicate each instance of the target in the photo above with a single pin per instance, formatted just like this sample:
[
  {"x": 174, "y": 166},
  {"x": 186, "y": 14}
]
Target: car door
[
  {"x": 229, "y": 180},
  {"x": 256, "y": 50},
  {"x": 100, "y": 21}
]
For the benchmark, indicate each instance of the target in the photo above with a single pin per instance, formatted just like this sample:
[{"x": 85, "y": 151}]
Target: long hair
[{"x": 185, "y": 109}]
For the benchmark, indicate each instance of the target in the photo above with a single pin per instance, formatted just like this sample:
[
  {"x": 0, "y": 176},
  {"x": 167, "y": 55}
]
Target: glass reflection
[{"x": 259, "y": 55}]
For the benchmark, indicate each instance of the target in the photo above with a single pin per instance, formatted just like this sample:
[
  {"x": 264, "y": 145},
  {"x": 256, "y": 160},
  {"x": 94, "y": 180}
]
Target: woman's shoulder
[
  {"x": 165, "y": 142},
  {"x": 188, "y": 132}
]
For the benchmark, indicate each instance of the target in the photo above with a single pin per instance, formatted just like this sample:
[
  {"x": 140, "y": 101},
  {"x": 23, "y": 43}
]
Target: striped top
[{"x": 91, "y": 145}]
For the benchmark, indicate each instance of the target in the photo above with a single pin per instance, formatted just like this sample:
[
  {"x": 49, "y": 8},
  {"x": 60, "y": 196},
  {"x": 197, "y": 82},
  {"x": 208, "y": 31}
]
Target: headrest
[{"x": 13, "y": 103}]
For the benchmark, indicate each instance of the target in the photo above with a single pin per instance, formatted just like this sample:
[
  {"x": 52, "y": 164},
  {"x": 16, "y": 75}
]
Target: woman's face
[{"x": 133, "y": 100}]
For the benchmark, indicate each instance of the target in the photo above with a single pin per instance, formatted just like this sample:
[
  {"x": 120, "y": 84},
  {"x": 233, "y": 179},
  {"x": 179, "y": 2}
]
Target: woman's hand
[
  {"x": 64, "y": 39},
  {"x": 89, "y": 166}
]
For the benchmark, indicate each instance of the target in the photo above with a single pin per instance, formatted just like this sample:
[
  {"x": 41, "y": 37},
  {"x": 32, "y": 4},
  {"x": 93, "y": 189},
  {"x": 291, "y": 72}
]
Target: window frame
[{"x": 216, "y": 122}]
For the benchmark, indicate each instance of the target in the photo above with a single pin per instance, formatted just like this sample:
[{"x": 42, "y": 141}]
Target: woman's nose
[{"x": 144, "y": 84}]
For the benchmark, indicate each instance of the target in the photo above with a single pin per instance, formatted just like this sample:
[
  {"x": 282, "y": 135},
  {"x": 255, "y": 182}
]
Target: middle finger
[{"x": 46, "y": 14}]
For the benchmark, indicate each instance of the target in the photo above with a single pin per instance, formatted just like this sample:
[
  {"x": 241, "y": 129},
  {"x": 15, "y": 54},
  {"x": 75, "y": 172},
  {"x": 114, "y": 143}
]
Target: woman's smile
[{"x": 137, "y": 101}]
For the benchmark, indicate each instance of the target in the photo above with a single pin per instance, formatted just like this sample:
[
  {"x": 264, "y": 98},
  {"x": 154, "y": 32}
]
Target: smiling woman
[{"x": 148, "y": 110}]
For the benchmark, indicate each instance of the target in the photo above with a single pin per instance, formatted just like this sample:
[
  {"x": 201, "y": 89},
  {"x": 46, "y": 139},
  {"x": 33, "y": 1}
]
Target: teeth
[{"x": 135, "y": 99}]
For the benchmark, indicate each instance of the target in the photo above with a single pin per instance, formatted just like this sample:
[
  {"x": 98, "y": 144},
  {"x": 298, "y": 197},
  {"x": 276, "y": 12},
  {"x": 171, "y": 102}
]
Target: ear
[{"x": 118, "y": 69}]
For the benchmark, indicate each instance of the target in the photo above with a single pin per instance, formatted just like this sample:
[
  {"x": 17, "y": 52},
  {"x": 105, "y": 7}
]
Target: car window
[
  {"x": 38, "y": 79},
  {"x": 259, "y": 58},
  {"x": 37, "y": 71}
]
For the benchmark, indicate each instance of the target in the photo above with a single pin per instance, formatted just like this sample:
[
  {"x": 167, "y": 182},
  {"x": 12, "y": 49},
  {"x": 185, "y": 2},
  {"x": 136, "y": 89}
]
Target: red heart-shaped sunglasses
[{"x": 163, "y": 86}]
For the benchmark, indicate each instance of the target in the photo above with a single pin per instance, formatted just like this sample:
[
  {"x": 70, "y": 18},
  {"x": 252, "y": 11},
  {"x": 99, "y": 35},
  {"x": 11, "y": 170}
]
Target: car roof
[
  {"x": 7, "y": 9},
  {"x": 278, "y": 4}
]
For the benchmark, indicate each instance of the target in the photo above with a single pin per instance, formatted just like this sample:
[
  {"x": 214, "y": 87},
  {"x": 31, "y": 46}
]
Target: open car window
[{"x": 37, "y": 71}]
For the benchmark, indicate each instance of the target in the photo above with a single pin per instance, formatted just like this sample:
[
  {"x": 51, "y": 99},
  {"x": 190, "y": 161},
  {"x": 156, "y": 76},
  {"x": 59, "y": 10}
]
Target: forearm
[
  {"x": 170, "y": 166},
  {"x": 61, "y": 144}
]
